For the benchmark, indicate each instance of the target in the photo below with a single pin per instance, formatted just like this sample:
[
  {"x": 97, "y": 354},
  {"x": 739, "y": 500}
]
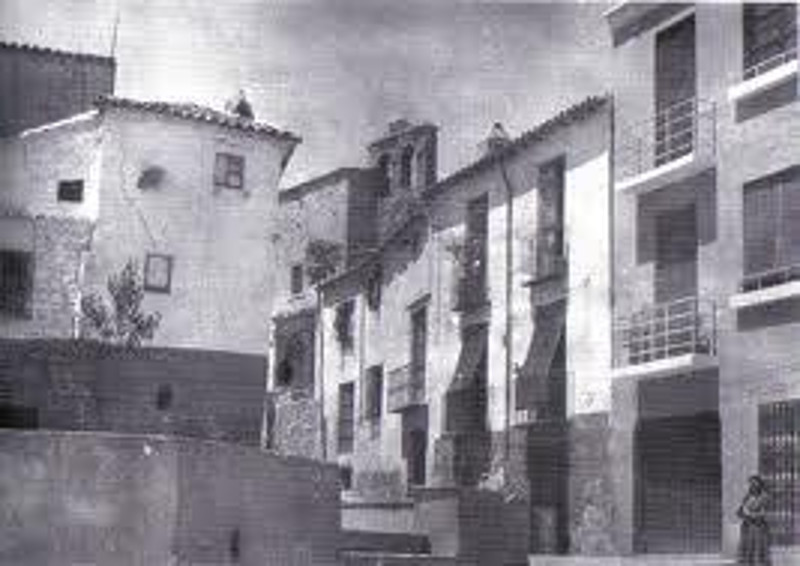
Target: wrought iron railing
[
  {"x": 769, "y": 63},
  {"x": 406, "y": 387},
  {"x": 770, "y": 278},
  {"x": 684, "y": 326},
  {"x": 685, "y": 128}
]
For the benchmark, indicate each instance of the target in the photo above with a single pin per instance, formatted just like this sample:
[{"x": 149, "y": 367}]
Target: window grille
[{"x": 779, "y": 465}]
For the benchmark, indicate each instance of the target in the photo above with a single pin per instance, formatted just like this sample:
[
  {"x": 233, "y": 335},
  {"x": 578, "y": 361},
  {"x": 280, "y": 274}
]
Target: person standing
[{"x": 754, "y": 540}]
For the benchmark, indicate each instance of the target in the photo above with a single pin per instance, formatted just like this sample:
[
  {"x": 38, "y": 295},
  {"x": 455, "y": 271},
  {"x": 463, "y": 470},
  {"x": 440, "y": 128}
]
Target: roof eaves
[
  {"x": 49, "y": 51},
  {"x": 395, "y": 135},
  {"x": 567, "y": 116},
  {"x": 195, "y": 113},
  {"x": 310, "y": 185}
]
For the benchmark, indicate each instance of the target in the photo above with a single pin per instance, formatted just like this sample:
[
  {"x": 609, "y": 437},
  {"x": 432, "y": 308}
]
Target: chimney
[
  {"x": 497, "y": 139},
  {"x": 240, "y": 107}
]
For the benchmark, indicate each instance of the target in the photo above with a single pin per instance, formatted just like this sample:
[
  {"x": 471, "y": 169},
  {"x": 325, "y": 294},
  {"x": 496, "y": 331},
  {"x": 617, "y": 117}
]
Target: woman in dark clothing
[{"x": 754, "y": 540}]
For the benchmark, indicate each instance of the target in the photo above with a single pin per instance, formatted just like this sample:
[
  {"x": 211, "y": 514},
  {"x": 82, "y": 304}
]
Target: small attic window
[{"x": 151, "y": 178}]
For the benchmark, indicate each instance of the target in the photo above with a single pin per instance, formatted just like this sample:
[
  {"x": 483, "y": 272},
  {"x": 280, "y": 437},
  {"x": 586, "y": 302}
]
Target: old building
[
  {"x": 187, "y": 193},
  {"x": 705, "y": 384},
  {"x": 458, "y": 361}
]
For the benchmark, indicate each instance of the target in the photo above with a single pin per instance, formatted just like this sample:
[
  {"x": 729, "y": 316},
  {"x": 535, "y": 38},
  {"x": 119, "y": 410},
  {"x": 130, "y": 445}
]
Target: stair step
[
  {"x": 638, "y": 560},
  {"x": 394, "y": 543},
  {"x": 358, "y": 558}
]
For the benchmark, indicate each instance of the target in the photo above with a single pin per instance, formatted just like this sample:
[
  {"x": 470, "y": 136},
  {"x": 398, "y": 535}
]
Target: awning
[
  {"x": 533, "y": 377},
  {"x": 473, "y": 350}
]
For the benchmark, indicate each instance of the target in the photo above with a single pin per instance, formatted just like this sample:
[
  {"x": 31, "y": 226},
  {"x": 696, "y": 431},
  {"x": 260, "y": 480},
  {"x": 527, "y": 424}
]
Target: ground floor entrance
[{"x": 678, "y": 484}]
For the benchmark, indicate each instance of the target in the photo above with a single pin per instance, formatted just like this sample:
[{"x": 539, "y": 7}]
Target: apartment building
[
  {"x": 706, "y": 389},
  {"x": 464, "y": 361}
]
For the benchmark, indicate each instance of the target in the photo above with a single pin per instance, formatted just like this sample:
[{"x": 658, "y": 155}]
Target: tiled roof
[
  {"x": 196, "y": 112},
  {"x": 41, "y": 50},
  {"x": 572, "y": 114}
]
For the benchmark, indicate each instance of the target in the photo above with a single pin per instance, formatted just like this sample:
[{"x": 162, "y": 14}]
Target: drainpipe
[{"x": 508, "y": 292}]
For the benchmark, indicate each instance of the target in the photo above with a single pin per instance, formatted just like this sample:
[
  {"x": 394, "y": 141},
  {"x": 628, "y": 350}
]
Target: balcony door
[
  {"x": 675, "y": 91},
  {"x": 676, "y": 254}
]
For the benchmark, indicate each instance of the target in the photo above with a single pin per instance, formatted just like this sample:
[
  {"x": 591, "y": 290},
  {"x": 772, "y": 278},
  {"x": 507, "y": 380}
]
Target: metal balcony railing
[
  {"x": 770, "y": 278},
  {"x": 406, "y": 388},
  {"x": 684, "y": 326},
  {"x": 769, "y": 63},
  {"x": 685, "y": 128}
]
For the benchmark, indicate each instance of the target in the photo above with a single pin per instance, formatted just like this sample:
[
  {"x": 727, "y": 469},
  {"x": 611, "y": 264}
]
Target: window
[
  {"x": 346, "y": 477},
  {"x": 384, "y": 177},
  {"x": 472, "y": 283},
  {"x": 297, "y": 279},
  {"x": 771, "y": 230},
  {"x": 419, "y": 345},
  {"x": 779, "y": 465},
  {"x": 229, "y": 171},
  {"x": 164, "y": 397},
  {"x": 770, "y": 36},
  {"x": 343, "y": 324},
  {"x": 158, "y": 273},
  {"x": 16, "y": 283},
  {"x": 406, "y": 163},
  {"x": 550, "y": 233},
  {"x": 346, "y": 418},
  {"x": 373, "y": 401},
  {"x": 70, "y": 191},
  {"x": 374, "y": 289}
]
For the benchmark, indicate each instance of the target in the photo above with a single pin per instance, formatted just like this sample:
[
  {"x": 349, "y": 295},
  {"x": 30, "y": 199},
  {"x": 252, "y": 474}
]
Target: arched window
[{"x": 406, "y": 161}]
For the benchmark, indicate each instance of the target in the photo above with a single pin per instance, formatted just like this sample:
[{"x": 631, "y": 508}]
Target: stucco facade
[
  {"x": 421, "y": 276},
  {"x": 213, "y": 299}
]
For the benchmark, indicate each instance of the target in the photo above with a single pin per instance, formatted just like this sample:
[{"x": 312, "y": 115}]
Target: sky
[{"x": 336, "y": 72}]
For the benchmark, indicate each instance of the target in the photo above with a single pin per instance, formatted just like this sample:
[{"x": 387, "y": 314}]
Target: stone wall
[
  {"x": 298, "y": 426},
  {"x": 88, "y": 386},
  {"x": 118, "y": 500},
  {"x": 56, "y": 245},
  {"x": 38, "y": 86}
]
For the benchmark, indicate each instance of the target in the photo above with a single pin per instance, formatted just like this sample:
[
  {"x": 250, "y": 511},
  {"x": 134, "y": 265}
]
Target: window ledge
[
  {"x": 764, "y": 296},
  {"x": 764, "y": 81}
]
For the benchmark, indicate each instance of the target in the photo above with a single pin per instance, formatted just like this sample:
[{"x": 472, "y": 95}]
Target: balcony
[
  {"x": 768, "y": 287},
  {"x": 664, "y": 339},
  {"x": 764, "y": 75},
  {"x": 406, "y": 388},
  {"x": 678, "y": 142}
]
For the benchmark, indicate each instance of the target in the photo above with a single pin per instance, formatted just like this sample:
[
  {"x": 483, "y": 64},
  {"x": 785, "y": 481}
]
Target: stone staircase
[{"x": 638, "y": 560}]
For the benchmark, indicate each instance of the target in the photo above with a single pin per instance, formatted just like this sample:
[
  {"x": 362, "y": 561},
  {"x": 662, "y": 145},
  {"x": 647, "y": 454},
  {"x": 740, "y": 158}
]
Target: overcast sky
[{"x": 337, "y": 71}]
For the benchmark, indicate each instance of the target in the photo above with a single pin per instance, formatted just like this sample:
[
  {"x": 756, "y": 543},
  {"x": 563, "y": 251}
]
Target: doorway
[{"x": 679, "y": 484}]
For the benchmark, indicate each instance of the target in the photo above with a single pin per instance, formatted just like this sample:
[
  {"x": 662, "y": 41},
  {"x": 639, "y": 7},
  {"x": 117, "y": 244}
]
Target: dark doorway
[
  {"x": 15, "y": 416},
  {"x": 415, "y": 444},
  {"x": 676, "y": 254},
  {"x": 679, "y": 484},
  {"x": 548, "y": 477}
]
